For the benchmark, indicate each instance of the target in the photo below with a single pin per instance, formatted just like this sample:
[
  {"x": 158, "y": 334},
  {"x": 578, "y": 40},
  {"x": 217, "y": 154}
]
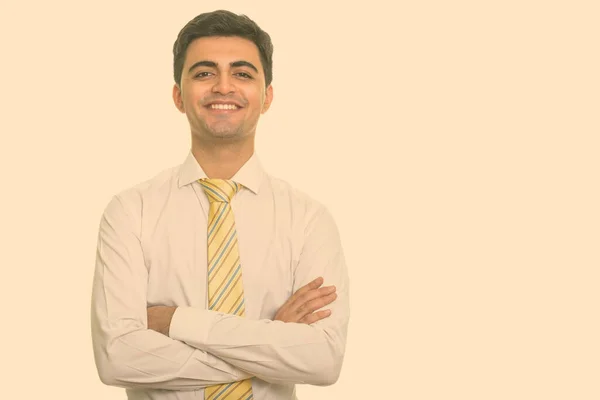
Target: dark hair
[{"x": 223, "y": 23}]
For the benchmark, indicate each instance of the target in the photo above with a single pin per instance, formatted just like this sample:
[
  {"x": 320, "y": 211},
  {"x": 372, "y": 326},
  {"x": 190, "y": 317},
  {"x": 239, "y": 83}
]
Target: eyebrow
[{"x": 212, "y": 64}]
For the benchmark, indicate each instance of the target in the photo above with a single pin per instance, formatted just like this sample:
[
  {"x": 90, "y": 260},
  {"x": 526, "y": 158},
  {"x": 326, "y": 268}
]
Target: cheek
[
  {"x": 192, "y": 95},
  {"x": 188, "y": 97},
  {"x": 258, "y": 100}
]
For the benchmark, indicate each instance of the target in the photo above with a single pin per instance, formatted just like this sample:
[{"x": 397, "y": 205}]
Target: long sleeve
[
  {"x": 127, "y": 354},
  {"x": 272, "y": 350}
]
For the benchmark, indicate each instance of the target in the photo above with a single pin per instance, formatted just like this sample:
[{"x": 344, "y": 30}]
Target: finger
[
  {"x": 309, "y": 307},
  {"x": 327, "y": 290},
  {"x": 314, "y": 317},
  {"x": 315, "y": 284},
  {"x": 289, "y": 310},
  {"x": 320, "y": 302},
  {"x": 294, "y": 305},
  {"x": 311, "y": 295}
]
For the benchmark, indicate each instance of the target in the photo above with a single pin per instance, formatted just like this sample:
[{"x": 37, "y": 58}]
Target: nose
[{"x": 224, "y": 84}]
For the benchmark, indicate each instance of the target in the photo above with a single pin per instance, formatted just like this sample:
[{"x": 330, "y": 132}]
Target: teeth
[{"x": 223, "y": 106}]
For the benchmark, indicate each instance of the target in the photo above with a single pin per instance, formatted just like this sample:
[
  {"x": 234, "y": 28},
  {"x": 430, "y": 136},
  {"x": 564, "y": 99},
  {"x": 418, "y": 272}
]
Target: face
[{"x": 222, "y": 89}]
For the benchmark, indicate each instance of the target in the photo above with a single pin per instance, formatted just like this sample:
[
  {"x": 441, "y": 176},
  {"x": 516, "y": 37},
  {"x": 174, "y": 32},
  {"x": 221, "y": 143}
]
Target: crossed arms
[{"x": 187, "y": 348}]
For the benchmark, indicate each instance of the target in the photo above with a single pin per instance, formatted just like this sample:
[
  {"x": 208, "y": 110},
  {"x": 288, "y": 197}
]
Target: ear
[
  {"x": 177, "y": 98},
  {"x": 268, "y": 99}
]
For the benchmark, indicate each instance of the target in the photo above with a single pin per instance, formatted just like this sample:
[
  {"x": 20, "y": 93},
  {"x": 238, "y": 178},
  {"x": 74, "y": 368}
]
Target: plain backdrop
[{"x": 455, "y": 143}]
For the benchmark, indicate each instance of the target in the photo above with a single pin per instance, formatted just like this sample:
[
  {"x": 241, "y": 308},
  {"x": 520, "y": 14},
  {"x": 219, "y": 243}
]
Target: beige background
[{"x": 474, "y": 253}]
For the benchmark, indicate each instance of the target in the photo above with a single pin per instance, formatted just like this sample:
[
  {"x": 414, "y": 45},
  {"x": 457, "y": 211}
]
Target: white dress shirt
[{"x": 152, "y": 251}]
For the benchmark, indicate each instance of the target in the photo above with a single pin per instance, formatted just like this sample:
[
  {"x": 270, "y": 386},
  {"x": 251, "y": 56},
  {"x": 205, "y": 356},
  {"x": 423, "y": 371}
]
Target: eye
[
  {"x": 244, "y": 75},
  {"x": 202, "y": 74}
]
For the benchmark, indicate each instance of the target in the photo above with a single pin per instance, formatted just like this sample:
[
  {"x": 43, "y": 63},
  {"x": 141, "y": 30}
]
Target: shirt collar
[{"x": 249, "y": 175}]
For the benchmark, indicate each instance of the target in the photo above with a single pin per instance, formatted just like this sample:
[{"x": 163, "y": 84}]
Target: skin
[
  {"x": 222, "y": 141},
  {"x": 299, "y": 308},
  {"x": 229, "y": 70}
]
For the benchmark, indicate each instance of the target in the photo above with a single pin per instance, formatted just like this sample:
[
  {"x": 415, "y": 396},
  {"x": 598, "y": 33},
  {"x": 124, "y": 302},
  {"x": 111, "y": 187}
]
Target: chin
[
  {"x": 225, "y": 133},
  {"x": 217, "y": 131}
]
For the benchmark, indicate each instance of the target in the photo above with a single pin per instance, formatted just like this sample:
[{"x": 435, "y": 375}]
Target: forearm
[
  {"x": 130, "y": 356},
  {"x": 273, "y": 351},
  {"x": 127, "y": 353}
]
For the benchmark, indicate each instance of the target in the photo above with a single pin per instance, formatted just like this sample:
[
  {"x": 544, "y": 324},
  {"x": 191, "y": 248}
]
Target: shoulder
[
  {"x": 298, "y": 197},
  {"x": 308, "y": 207},
  {"x": 131, "y": 199}
]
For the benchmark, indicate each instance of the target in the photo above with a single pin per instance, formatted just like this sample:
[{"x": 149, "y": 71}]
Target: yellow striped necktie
[{"x": 225, "y": 288}]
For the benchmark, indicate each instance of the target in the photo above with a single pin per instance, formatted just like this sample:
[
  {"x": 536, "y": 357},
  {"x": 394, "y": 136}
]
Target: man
[{"x": 215, "y": 280}]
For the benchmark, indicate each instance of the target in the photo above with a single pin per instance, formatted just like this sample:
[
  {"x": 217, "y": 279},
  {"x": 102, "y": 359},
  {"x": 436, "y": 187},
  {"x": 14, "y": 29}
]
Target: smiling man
[{"x": 215, "y": 280}]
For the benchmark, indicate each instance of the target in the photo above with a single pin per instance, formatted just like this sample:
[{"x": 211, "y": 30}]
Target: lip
[
  {"x": 222, "y": 111},
  {"x": 235, "y": 103}
]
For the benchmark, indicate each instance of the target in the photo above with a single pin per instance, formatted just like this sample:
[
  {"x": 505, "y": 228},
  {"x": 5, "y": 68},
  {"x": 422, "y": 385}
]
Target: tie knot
[{"x": 220, "y": 190}]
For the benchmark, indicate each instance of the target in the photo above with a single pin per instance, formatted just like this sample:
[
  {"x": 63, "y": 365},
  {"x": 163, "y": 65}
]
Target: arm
[
  {"x": 276, "y": 351},
  {"x": 127, "y": 353}
]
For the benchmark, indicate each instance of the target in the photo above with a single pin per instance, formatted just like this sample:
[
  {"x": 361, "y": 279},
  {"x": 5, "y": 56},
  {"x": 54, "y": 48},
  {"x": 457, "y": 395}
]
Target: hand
[
  {"x": 301, "y": 305},
  {"x": 159, "y": 318}
]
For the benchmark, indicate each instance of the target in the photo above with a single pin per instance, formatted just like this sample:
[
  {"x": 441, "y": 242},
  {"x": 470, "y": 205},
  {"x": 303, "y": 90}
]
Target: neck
[{"x": 222, "y": 160}]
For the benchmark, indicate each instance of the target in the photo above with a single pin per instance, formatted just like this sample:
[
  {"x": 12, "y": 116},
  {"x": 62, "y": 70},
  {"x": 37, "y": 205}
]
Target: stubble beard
[{"x": 222, "y": 131}]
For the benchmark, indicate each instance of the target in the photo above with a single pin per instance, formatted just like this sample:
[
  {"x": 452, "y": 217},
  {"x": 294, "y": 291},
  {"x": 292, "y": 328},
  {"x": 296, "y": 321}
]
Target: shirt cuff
[{"x": 192, "y": 325}]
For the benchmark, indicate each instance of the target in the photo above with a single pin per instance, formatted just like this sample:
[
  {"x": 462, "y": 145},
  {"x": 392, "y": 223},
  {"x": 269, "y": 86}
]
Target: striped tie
[{"x": 225, "y": 289}]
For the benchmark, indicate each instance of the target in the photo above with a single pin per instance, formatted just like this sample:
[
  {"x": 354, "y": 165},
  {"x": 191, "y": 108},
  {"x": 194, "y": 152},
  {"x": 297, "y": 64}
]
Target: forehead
[{"x": 222, "y": 50}]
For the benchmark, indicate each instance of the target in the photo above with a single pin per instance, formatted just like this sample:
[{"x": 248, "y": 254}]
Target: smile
[{"x": 223, "y": 107}]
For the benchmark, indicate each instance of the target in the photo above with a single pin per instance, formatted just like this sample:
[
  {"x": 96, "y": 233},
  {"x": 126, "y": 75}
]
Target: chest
[{"x": 175, "y": 251}]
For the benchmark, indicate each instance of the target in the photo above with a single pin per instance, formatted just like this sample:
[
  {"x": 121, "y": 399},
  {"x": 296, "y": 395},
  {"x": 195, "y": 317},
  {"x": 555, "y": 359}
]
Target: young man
[{"x": 215, "y": 280}]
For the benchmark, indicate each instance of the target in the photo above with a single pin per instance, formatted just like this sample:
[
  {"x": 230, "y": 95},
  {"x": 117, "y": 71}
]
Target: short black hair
[{"x": 223, "y": 23}]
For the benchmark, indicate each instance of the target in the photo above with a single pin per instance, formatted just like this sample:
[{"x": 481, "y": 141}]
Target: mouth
[{"x": 223, "y": 107}]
